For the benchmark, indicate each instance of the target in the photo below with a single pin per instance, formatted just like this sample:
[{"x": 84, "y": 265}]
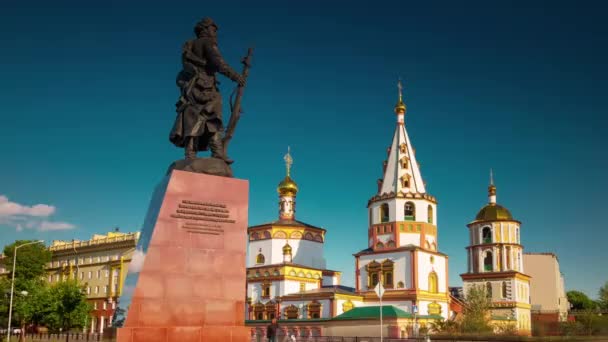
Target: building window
[
  {"x": 96, "y": 289},
  {"x": 374, "y": 280},
  {"x": 88, "y": 290},
  {"x": 387, "y": 273},
  {"x": 95, "y": 305},
  {"x": 302, "y": 287},
  {"x": 50, "y": 279},
  {"x": 391, "y": 244},
  {"x": 56, "y": 277},
  {"x": 405, "y": 181},
  {"x": 105, "y": 305},
  {"x": 429, "y": 211},
  {"x": 372, "y": 273},
  {"x": 265, "y": 290},
  {"x": 404, "y": 162},
  {"x": 258, "y": 311},
  {"x": 379, "y": 245},
  {"x": 98, "y": 274},
  {"x": 433, "y": 282},
  {"x": 260, "y": 259},
  {"x": 113, "y": 305},
  {"x": 271, "y": 309},
  {"x": 517, "y": 235},
  {"x": 486, "y": 235},
  {"x": 504, "y": 289},
  {"x": 292, "y": 312},
  {"x": 105, "y": 289},
  {"x": 384, "y": 214},
  {"x": 402, "y": 147},
  {"x": 410, "y": 211},
  {"x": 107, "y": 273},
  {"x": 489, "y": 290},
  {"x": 314, "y": 310},
  {"x": 90, "y": 274},
  {"x": 487, "y": 262}
]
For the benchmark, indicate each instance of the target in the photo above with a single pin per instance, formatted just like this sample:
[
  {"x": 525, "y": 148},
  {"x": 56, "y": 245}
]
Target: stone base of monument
[
  {"x": 186, "y": 281},
  {"x": 210, "y": 166}
]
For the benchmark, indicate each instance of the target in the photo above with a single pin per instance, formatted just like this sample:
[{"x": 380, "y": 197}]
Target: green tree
[
  {"x": 68, "y": 307},
  {"x": 476, "y": 311},
  {"x": 579, "y": 300},
  {"x": 603, "y": 296},
  {"x": 31, "y": 260},
  {"x": 29, "y": 283}
]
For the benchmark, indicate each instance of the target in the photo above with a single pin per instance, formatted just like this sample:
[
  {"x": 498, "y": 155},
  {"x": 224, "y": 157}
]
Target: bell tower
[{"x": 495, "y": 262}]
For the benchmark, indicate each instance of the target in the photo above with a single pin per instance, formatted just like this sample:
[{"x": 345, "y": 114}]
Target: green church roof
[{"x": 373, "y": 312}]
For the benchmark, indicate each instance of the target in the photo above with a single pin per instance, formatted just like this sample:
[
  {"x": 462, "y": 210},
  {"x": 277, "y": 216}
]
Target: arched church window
[
  {"x": 429, "y": 211},
  {"x": 410, "y": 211},
  {"x": 266, "y": 234},
  {"x": 404, "y": 162},
  {"x": 489, "y": 290},
  {"x": 314, "y": 310},
  {"x": 390, "y": 244},
  {"x": 379, "y": 245},
  {"x": 504, "y": 289},
  {"x": 384, "y": 214},
  {"x": 405, "y": 181},
  {"x": 292, "y": 312},
  {"x": 486, "y": 235},
  {"x": 517, "y": 235},
  {"x": 260, "y": 258},
  {"x": 433, "y": 282},
  {"x": 488, "y": 262}
]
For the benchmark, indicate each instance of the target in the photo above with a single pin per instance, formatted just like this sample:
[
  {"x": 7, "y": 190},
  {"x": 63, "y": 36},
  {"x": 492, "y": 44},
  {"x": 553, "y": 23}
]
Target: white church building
[{"x": 286, "y": 274}]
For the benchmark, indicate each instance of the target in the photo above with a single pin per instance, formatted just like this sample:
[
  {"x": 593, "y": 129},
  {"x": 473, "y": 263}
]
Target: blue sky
[{"x": 87, "y": 97}]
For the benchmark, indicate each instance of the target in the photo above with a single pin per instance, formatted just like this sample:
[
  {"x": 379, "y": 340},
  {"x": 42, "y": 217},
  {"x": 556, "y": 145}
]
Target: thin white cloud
[
  {"x": 48, "y": 225},
  {"x": 29, "y": 217}
]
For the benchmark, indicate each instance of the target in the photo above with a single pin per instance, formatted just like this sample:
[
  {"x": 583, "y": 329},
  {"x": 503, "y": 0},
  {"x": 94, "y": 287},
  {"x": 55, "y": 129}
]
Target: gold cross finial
[
  {"x": 400, "y": 87},
  {"x": 288, "y": 160},
  {"x": 491, "y": 177}
]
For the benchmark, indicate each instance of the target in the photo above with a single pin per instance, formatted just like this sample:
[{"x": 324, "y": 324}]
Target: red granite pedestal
[{"x": 191, "y": 285}]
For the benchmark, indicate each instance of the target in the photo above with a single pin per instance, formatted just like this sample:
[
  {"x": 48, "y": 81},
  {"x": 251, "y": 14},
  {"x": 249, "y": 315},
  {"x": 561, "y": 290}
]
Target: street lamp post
[{"x": 10, "y": 307}]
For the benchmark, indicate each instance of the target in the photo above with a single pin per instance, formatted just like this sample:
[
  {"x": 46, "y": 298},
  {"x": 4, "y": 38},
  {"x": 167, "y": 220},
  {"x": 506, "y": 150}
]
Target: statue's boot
[
  {"x": 217, "y": 148},
  {"x": 190, "y": 150}
]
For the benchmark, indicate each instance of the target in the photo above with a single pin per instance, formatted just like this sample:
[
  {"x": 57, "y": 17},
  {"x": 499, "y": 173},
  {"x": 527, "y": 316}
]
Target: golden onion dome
[
  {"x": 286, "y": 249},
  {"x": 400, "y": 107},
  {"x": 494, "y": 212},
  {"x": 287, "y": 187}
]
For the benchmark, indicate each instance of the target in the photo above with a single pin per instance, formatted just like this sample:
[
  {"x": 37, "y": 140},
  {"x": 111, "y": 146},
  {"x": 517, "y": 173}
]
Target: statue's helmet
[{"x": 204, "y": 25}]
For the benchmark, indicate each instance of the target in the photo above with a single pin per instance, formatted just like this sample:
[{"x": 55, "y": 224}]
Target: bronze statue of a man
[{"x": 198, "y": 125}]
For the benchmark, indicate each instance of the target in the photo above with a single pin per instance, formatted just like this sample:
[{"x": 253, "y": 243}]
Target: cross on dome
[{"x": 288, "y": 160}]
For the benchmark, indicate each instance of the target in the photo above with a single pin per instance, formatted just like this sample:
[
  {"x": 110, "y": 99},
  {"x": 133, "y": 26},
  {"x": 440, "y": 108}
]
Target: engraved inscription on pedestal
[{"x": 203, "y": 217}]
